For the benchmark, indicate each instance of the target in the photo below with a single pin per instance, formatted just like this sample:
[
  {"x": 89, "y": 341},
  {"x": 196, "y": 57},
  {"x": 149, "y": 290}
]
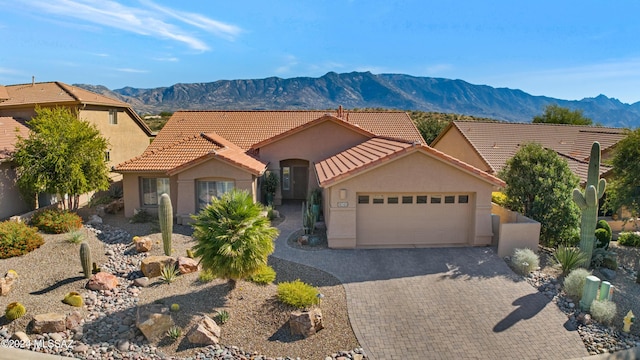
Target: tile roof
[
  {"x": 496, "y": 142},
  {"x": 9, "y": 129},
  {"x": 376, "y": 151},
  {"x": 3, "y": 94},
  {"x": 581, "y": 167},
  {"x": 247, "y": 128}
]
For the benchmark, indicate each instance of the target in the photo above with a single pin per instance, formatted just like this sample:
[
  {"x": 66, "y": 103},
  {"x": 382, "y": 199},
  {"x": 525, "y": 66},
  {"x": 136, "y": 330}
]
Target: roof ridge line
[{"x": 63, "y": 86}]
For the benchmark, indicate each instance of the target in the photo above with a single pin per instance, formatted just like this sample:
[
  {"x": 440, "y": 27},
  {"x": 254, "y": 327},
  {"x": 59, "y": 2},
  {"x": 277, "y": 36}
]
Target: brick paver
[{"x": 439, "y": 303}]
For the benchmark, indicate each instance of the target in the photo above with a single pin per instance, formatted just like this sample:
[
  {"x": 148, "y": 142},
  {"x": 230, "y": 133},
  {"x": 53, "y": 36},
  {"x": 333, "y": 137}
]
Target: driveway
[{"x": 439, "y": 303}]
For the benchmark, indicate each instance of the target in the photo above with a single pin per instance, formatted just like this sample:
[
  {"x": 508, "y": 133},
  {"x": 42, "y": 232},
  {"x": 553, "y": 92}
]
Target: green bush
[
  {"x": 18, "y": 239},
  {"x": 265, "y": 275},
  {"x": 499, "y": 198},
  {"x": 604, "y": 258},
  {"x": 54, "y": 221},
  {"x": 525, "y": 261},
  {"x": 603, "y": 234},
  {"x": 142, "y": 216},
  {"x": 629, "y": 239},
  {"x": 569, "y": 258},
  {"x": 206, "y": 276},
  {"x": 603, "y": 311},
  {"x": 574, "y": 282},
  {"x": 298, "y": 294}
]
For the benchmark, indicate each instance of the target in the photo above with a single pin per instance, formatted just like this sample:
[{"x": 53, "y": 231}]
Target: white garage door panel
[{"x": 413, "y": 224}]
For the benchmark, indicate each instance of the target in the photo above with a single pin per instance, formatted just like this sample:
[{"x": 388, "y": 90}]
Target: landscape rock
[
  {"x": 102, "y": 281},
  {"x": 143, "y": 244},
  {"x": 48, "y": 323},
  {"x": 187, "y": 265},
  {"x": 81, "y": 348},
  {"x": 608, "y": 274},
  {"x": 20, "y": 336},
  {"x": 141, "y": 282},
  {"x": 115, "y": 206},
  {"x": 93, "y": 220},
  {"x": 152, "y": 265},
  {"x": 153, "y": 321},
  {"x": 73, "y": 320},
  {"x": 306, "y": 323},
  {"x": 7, "y": 282},
  {"x": 205, "y": 332}
]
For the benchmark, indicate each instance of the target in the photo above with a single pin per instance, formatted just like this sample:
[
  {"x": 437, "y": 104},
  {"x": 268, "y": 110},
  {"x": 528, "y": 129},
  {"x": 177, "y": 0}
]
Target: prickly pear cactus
[
  {"x": 588, "y": 203},
  {"x": 165, "y": 215},
  {"x": 85, "y": 259}
]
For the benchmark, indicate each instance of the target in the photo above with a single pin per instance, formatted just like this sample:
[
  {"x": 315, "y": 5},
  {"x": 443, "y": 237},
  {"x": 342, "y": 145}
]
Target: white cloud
[
  {"x": 130, "y": 70},
  {"x": 290, "y": 62},
  {"x": 8, "y": 71},
  {"x": 438, "y": 69},
  {"x": 100, "y": 54},
  {"x": 168, "y": 59}
]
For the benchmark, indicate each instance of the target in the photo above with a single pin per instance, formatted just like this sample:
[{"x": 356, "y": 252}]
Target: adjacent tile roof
[
  {"x": 380, "y": 150},
  {"x": 190, "y": 151},
  {"x": 9, "y": 129},
  {"x": 248, "y": 128},
  {"x": 3, "y": 94},
  {"x": 496, "y": 142}
]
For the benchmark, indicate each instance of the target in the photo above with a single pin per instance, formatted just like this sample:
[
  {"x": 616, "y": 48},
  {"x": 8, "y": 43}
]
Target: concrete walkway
[{"x": 439, "y": 303}]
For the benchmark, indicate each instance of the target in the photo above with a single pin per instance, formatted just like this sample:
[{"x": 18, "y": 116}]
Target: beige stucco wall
[
  {"x": 516, "y": 231},
  {"x": 417, "y": 172},
  {"x": 11, "y": 202},
  {"x": 455, "y": 144},
  {"x": 313, "y": 144}
]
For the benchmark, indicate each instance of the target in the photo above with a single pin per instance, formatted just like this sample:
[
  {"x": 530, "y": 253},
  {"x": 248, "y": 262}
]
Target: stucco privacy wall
[
  {"x": 515, "y": 231},
  {"x": 11, "y": 202},
  {"x": 313, "y": 144},
  {"x": 416, "y": 172},
  {"x": 455, "y": 144}
]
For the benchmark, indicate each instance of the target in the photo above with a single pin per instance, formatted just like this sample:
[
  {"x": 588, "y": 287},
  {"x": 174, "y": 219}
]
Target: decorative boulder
[
  {"x": 6, "y": 283},
  {"x": 205, "y": 332},
  {"x": 141, "y": 282},
  {"x": 153, "y": 321},
  {"x": 114, "y": 206},
  {"x": 73, "y": 320},
  {"x": 48, "y": 323},
  {"x": 152, "y": 265},
  {"x": 94, "y": 220},
  {"x": 20, "y": 336},
  {"x": 187, "y": 265},
  {"x": 102, "y": 281},
  {"x": 143, "y": 244},
  {"x": 306, "y": 323}
]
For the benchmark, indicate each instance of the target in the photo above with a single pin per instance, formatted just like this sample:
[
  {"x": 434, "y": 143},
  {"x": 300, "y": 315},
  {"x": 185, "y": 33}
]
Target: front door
[
  {"x": 295, "y": 179},
  {"x": 300, "y": 182}
]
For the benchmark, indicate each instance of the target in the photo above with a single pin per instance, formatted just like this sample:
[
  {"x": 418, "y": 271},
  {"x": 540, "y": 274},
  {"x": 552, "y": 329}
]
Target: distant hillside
[{"x": 366, "y": 90}]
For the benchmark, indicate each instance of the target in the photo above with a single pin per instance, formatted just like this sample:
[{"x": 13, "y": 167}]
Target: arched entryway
[{"x": 295, "y": 179}]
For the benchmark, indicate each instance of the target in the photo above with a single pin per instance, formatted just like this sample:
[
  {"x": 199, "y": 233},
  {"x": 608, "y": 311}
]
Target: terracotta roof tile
[
  {"x": 55, "y": 92},
  {"x": 4, "y": 95},
  {"x": 379, "y": 150},
  {"x": 10, "y": 128}
]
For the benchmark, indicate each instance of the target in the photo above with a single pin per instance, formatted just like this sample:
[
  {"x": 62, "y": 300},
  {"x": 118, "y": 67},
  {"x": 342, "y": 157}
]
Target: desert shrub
[
  {"x": 569, "y": 258},
  {"x": 223, "y": 316},
  {"x": 174, "y": 332},
  {"x": 574, "y": 282},
  {"x": 206, "y": 276},
  {"x": 169, "y": 274},
  {"x": 100, "y": 200},
  {"x": 265, "y": 275},
  {"x": 629, "y": 239},
  {"x": 18, "y": 239},
  {"x": 525, "y": 261},
  {"x": 603, "y": 311},
  {"x": 604, "y": 258},
  {"x": 75, "y": 237},
  {"x": 54, "y": 221},
  {"x": 603, "y": 237},
  {"x": 142, "y": 216},
  {"x": 298, "y": 294},
  {"x": 499, "y": 198}
]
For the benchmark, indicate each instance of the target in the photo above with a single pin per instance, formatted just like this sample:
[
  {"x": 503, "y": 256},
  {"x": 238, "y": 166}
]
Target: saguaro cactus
[
  {"x": 165, "y": 215},
  {"x": 588, "y": 203},
  {"x": 85, "y": 259}
]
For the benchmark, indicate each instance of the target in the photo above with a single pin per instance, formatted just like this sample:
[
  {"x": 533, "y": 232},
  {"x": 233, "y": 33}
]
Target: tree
[
  {"x": 233, "y": 238},
  {"x": 555, "y": 114},
  {"x": 624, "y": 190},
  {"x": 430, "y": 128},
  {"x": 540, "y": 186},
  {"x": 62, "y": 155}
]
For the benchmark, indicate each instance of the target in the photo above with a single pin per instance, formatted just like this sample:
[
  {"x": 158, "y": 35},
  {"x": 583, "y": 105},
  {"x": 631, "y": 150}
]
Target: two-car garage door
[{"x": 413, "y": 219}]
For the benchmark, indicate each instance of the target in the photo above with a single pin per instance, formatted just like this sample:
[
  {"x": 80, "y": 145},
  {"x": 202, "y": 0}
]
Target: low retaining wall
[
  {"x": 26, "y": 217},
  {"x": 512, "y": 230}
]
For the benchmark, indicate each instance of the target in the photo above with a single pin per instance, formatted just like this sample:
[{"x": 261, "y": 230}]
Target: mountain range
[{"x": 367, "y": 90}]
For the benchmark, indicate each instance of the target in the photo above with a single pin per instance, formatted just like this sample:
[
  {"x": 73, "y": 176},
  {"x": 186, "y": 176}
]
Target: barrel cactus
[
  {"x": 74, "y": 299},
  {"x": 14, "y": 310},
  {"x": 588, "y": 202},
  {"x": 85, "y": 259},
  {"x": 165, "y": 215}
]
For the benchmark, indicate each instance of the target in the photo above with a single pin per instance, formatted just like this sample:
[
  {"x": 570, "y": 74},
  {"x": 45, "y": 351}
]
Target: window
[
  {"x": 463, "y": 199},
  {"x": 113, "y": 117},
  {"x": 363, "y": 199},
  {"x": 107, "y": 156},
  {"x": 436, "y": 199},
  {"x": 392, "y": 200},
  {"x": 378, "y": 199},
  {"x": 407, "y": 199},
  {"x": 421, "y": 199},
  {"x": 449, "y": 199},
  {"x": 286, "y": 178},
  {"x": 210, "y": 189},
  {"x": 152, "y": 188}
]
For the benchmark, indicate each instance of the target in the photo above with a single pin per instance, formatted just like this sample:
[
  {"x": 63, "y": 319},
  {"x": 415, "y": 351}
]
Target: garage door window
[
  {"x": 436, "y": 199},
  {"x": 363, "y": 199},
  {"x": 463, "y": 199},
  {"x": 421, "y": 199},
  {"x": 392, "y": 200},
  {"x": 379, "y": 199},
  {"x": 407, "y": 199},
  {"x": 449, "y": 199}
]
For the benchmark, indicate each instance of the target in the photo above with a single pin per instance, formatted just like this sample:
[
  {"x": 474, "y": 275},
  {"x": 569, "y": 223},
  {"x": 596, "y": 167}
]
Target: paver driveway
[{"x": 439, "y": 303}]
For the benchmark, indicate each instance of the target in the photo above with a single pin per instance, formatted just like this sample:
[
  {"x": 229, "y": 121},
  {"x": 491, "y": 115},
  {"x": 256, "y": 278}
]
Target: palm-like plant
[
  {"x": 569, "y": 258},
  {"x": 233, "y": 239}
]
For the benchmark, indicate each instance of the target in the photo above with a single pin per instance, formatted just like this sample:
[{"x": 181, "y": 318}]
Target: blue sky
[{"x": 565, "y": 49}]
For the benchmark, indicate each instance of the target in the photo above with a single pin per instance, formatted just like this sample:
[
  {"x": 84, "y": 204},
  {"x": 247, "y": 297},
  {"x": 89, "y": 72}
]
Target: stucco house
[
  {"x": 382, "y": 186},
  {"x": 127, "y": 134}
]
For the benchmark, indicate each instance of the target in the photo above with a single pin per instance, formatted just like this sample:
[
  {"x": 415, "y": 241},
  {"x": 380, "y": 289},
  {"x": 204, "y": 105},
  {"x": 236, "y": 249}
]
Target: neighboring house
[
  {"x": 488, "y": 145},
  {"x": 127, "y": 134},
  {"x": 382, "y": 187}
]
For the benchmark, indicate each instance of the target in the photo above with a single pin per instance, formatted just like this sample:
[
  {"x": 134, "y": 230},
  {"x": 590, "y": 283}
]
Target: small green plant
[
  {"x": 175, "y": 307},
  {"x": 141, "y": 216},
  {"x": 74, "y": 299},
  {"x": 101, "y": 200},
  {"x": 174, "y": 332},
  {"x": 603, "y": 311},
  {"x": 206, "y": 276},
  {"x": 54, "y": 221},
  {"x": 569, "y": 258},
  {"x": 603, "y": 234},
  {"x": 604, "y": 258},
  {"x": 169, "y": 274},
  {"x": 265, "y": 275},
  {"x": 17, "y": 239},
  {"x": 75, "y": 237},
  {"x": 95, "y": 269},
  {"x": 85, "y": 259},
  {"x": 525, "y": 261},
  {"x": 574, "y": 282},
  {"x": 298, "y": 294},
  {"x": 223, "y": 316},
  {"x": 190, "y": 253},
  {"x": 629, "y": 239},
  {"x": 14, "y": 311}
]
